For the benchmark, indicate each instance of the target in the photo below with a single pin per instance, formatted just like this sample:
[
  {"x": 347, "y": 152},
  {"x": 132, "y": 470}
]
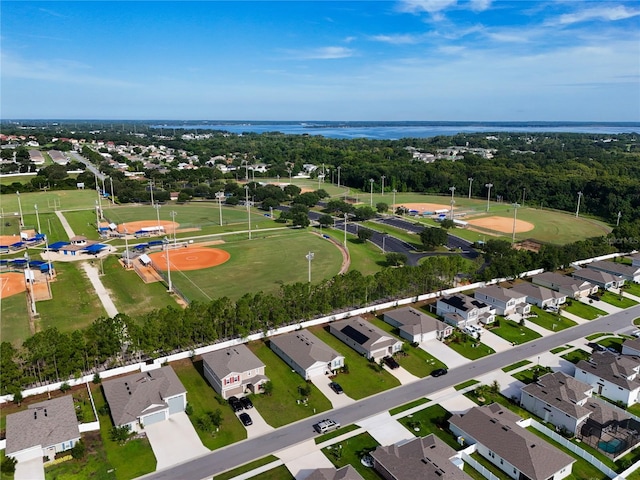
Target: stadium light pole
[
  {"x": 113, "y": 200},
  {"x": 515, "y": 213},
  {"x": 488, "y": 185},
  {"x": 126, "y": 245},
  {"x": 173, "y": 219},
  {"x": 97, "y": 217},
  {"x": 166, "y": 243},
  {"x": 371, "y": 180},
  {"x": 453, "y": 189},
  {"x": 470, "y": 182},
  {"x": 246, "y": 201},
  {"x": 339, "y": 176},
  {"x": 382, "y": 188},
  {"x": 220, "y": 196},
  {"x": 151, "y": 189},
  {"x": 345, "y": 230},
  {"x": 393, "y": 207},
  {"x": 37, "y": 218},
  {"x": 46, "y": 246},
  {"x": 618, "y": 220},
  {"x": 309, "y": 257},
  {"x": 524, "y": 192},
  {"x": 20, "y": 209},
  {"x": 578, "y": 209},
  {"x": 30, "y": 283},
  {"x": 157, "y": 207}
]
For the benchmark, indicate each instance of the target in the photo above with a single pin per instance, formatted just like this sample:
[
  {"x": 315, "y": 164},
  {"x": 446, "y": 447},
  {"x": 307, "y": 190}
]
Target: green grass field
[
  {"x": 432, "y": 419},
  {"x": 365, "y": 257},
  {"x": 50, "y": 201},
  {"x": 632, "y": 288},
  {"x": 588, "y": 312},
  {"x": 617, "y": 300},
  {"x": 513, "y": 366},
  {"x": 550, "y": 321},
  {"x": 351, "y": 452},
  {"x": 576, "y": 355},
  {"x": 468, "y": 347},
  {"x": 514, "y": 333},
  {"x": 262, "y": 264},
  {"x": 14, "y": 327}
]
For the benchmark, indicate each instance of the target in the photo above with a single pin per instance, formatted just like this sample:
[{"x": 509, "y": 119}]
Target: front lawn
[
  {"x": 583, "y": 310},
  {"x": 408, "y": 406},
  {"x": 94, "y": 465},
  {"x": 514, "y": 333},
  {"x": 336, "y": 433},
  {"x": 612, "y": 342},
  {"x": 513, "y": 366},
  {"x": 632, "y": 288},
  {"x": 246, "y": 468},
  {"x": 617, "y": 300},
  {"x": 364, "y": 378},
  {"x": 467, "y": 346},
  {"x": 576, "y": 355},
  {"x": 466, "y": 384},
  {"x": 531, "y": 375},
  {"x": 285, "y": 404},
  {"x": 486, "y": 395},
  {"x": 560, "y": 349},
  {"x": 202, "y": 398},
  {"x": 434, "y": 420},
  {"x": 351, "y": 452},
  {"x": 550, "y": 321},
  {"x": 593, "y": 336}
]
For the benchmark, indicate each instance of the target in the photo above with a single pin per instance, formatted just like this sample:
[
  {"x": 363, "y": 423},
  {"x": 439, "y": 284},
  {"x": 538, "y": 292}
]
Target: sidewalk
[
  {"x": 94, "y": 278},
  {"x": 67, "y": 228}
]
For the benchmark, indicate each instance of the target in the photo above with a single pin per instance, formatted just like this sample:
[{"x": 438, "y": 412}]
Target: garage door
[
  {"x": 316, "y": 371},
  {"x": 176, "y": 405},
  {"x": 153, "y": 418}
]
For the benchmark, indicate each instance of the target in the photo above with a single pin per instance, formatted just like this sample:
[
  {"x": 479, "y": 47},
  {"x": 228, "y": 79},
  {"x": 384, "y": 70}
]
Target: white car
[
  {"x": 636, "y": 333},
  {"x": 470, "y": 331}
]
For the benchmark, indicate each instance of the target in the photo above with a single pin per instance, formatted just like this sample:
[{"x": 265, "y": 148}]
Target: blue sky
[{"x": 329, "y": 60}]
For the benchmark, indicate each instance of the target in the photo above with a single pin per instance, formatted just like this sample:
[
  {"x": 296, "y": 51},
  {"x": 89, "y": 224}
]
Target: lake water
[{"x": 397, "y": 130}]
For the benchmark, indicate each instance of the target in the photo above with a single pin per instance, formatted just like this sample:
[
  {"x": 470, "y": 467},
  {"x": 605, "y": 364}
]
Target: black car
[
  {"x": 438, "y": 372},
  {"x": 236, "y": 406},
  {"x": 336, "y": 387},
  {"x": 596, "y": 347},
  {"x": 391, "y": 362},
  {"x": 245, "y": 419},
  {"x": 246, "y": 403}
]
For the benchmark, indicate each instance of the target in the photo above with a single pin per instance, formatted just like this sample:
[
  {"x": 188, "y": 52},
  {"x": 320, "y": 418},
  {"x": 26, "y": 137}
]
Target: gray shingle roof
[
  {"x": 426, "y": 458},
  {"x": 415, "y": 322},
  {"x": 46, "y": 423},
  {"x": 304, "y": 348},
  {"x": 499, "y": 293},
  {"x": 613, "y": 368},
  {"x": 619, "y": 268},
  {"x": 571, "y": 283},
  {"x": 561, "y": 391},
  {"x": 495, "y": 427},
  {"x": 536, "y": 291},
  {"x": 345, "y": 473},
  {"x": 236, "y": 359},
  {"x": 596, "y": 276},
  {"x": 129, "y": 396}
]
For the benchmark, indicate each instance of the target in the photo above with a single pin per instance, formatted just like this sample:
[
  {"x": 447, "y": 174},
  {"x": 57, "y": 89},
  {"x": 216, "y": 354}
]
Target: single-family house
[
  {"x": 461, "y": 310},
  {"x": 559, "y": 399},
  {"x": 571, "y": 287},
  {"x": 427, "y": 458},
  {"x": 631, "y": 347},
  {"x": 42, "y": 430},
  {"x": 542, "y": 297},
  {"x": 233, "y": 371},
  {"x": 631, "y": 273},
  {"x": 145, "y": 398},
  {"x": 306, "y": 353},
  {"x": 635, "y": 260},
  {"x": 345, "y": 473},
  {"x": 602, "y": 279},
  {"x": 505, "y": 301},
  {"x": 417, "y": 326},
  {"x": 611, "y": 375},
  {"x": 365, "y": 338},
  {"x": 513, "y": 449}
]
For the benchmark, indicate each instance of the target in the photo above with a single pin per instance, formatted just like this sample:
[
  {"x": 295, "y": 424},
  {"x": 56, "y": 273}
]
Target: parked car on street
[
  {"x": 245, "y": 419},
  {"x": 326, "y": 425},
  {"x": 438, "y": 372},
  {"x": 336, "y": 387}
]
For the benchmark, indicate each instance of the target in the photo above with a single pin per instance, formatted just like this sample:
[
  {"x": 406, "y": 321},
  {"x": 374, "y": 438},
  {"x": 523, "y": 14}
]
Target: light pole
[
  {"x": 166, "y": 244},
  {"x": 309, "y": 257},
  {"x": 20, "y": 209},
  {"x": 126, "y": 245},
  {"x": 290, "y": 175},
  {"x": 578, "y": 209},
  {"x": 97, "y": 217},
  {"x": 515, "y": 213},
  {"x": 173, "y": 219},
  {"x": 618, "y": 220},
  {"x": 453, "y": 189},
  {"x": 220, "y": 196},
  {"x": 246, "y": 201},
  {"x": 384, "y": 237},
  {"x": 382, "y": 188},
  {"x": 524, "y": 191},
  {"x": 30, "y": 283},
  {"x": 46, "y": 246},
  {"x": 470, "y": 182},
  {"x": 278, "y": 176},
  {"x": 393, "y": 208},
  {"x": 113, "y": 200},
  {"x": 371, "y": 200},
  {"x": 37, "y": 218},
  {"x": 345, "y": 230},
  {"x": 157, "y": 207},
  {"x": 151, "y": 190},
  {"x": 339, "y": 175},
  {"x": 488, "y": 185}
]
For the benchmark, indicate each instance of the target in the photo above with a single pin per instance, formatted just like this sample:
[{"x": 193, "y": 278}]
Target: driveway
[
  {"x": 384, "y": 429},
  {"x": 607, "y": 307},
  {"x": 30, "y": 470},
  {"x": 450, "y": 357},
  {"x": 174, "y": 441},
  {"x": 494, "y": 341},
  {"x": 337, "y": 400},
  {"x": 457, "y": 403},
  {"x": 303, "y": 458},
  {"x": 401, "y": 374},
  {"x": 259, "y": 426},
  {"x": 509, "y": 386}
]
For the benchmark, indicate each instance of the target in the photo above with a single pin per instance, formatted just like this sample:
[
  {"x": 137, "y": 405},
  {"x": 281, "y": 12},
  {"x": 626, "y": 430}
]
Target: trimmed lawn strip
[
  {"x": 617, "y": 300},
  {"x": 468, "y": 347},
  {"x": 514, "y": 333},
  {"x": 434, "y": 420},
  {"x": 576, "y": 355},
  {"x": 284, "y": 405},
  {"x": 580, "y": 309},
  {"x": 336, "y": 433},
  {"x": 278, "y": 473},
  {"x": 593, "y": 336},
  {"x": 14, "y": 327},
  {"x": 550, "y": 321},
  {"x": 513, "y": 366},
  {"x": 531, "y": 375},
  {"x": 94, "y": 465},
  {"x": 133, "y": 459},
  {"x": 351, "y": 451},
  {"x": 490, "y": 466},
  {"x": 632, "y": 288},
  {"x": 472, "y": 472},
  {"x": 203, "y": 398},
  {"x": 466, "y": 384},
  {"x": 83, "y": 222},
  {"x": 365, "y": 257},
  {"x": 612, "y": 342},
  {"x": 408, "y": 406},
  {"x": 581, "y": 469},
  {"x": 246, "y": 468},
  {"x": 560, "y": 349},
  {"x": 365, "y": 378}
]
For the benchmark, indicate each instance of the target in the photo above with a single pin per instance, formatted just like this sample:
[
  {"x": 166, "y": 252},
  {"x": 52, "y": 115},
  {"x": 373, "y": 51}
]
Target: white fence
[
  {"x": 485, "y": 472},
  {"x": 602, "y": 257},
  {"x": 89, "y": 427}
]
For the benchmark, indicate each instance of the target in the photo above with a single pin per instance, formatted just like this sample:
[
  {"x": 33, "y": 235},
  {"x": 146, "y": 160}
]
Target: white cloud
[
  {"x": 430, "y": 6},
  {"x": 480, "y": 5},
  {"x": 609, "y": 14},
  {"x": 324, "y": 53},
  {"x": 404, "y": 39}
]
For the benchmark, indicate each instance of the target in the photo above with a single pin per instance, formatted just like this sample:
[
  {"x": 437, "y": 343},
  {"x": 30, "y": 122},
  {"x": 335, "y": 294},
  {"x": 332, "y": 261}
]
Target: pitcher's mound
[{"x": 191, "y": 258}]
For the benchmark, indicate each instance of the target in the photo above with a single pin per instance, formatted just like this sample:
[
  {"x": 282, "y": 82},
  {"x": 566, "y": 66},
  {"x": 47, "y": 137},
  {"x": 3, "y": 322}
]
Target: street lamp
[
  {"x": 246, "y": 201},
  {"x": 470, "y": 182},
  {"x": 384, "y": 237},
  {"x": 338, "y": 175},
  {"x": 453, "y": 189},
  {"x": 371, "y": 182},
  {"x": 515, "y": 213},
  {"x": 157, "y": 207},
  {"x": 382, "y": 189},
  {"x": 30, "y": 283},
  {"x": 578, "y": 209},
  {"x": 618, "y": 220},
  {"x": 309, "y": 257},
  {"x": 20, "y": 209},
  {"x": 393, "y": 209},
  {"x": 37, "y": 218},
  {"x": 488, "y": 185},
  {"x": 166, "y": 244}
]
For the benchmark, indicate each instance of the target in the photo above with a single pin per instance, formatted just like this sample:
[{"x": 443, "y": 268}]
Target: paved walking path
[
  {"x": 67, "y": 228},
  {"x": 94, "y": 277}
]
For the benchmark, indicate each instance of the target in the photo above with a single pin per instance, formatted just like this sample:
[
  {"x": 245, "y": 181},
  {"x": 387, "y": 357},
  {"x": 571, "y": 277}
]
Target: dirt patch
[
  {"x": 186, "y": 230},
  {"x": 41, "y": 291},
  {"x": 132, "y": 227},
  {"x": 502, "y": 224},
  {"x": 11, "y": 284},
  {"x": 7, "y": 240},
  {"x": 211, "y": 242},
  {"x": 425, "y": 207},
  {"x": 191, "y": 258}
]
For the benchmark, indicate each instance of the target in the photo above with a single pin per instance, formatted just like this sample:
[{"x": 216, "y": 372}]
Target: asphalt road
[
  {"x": 90, "y": 166},
  {"x": 248, "y": 450}
]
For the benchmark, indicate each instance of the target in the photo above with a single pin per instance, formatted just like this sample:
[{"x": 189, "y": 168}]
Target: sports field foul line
[{"x": 191, "y": 281}]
